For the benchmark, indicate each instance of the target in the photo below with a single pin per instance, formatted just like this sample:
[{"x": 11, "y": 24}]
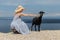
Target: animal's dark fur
[{"x": 37, "y": 21}]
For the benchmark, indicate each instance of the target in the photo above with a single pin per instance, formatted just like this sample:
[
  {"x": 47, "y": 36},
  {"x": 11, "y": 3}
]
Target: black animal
[{"x": 37, "y": 21}]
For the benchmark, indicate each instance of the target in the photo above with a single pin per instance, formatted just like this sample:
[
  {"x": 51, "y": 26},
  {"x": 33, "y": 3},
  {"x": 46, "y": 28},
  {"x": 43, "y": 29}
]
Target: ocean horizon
[{"x": 29, "y": 20}]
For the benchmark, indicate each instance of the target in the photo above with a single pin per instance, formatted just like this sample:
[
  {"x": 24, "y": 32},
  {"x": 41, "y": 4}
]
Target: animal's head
[{"x": 41, "y": 13}]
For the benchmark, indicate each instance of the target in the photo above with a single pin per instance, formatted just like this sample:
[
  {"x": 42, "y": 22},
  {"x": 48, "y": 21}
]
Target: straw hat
[{"x": 19, "y": 8}]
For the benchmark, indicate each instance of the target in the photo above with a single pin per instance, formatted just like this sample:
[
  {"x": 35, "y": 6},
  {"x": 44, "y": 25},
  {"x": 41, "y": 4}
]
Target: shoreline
[{"x": 34, "y": 35}]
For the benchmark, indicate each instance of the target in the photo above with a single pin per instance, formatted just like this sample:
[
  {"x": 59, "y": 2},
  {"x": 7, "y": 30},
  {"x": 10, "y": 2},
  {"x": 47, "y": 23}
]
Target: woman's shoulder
[{"x": 18, "y": 14}]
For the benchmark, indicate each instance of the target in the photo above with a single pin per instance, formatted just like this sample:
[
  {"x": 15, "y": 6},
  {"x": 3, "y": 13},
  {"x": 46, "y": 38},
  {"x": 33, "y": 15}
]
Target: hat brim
[{"x": 19, "y": 9}]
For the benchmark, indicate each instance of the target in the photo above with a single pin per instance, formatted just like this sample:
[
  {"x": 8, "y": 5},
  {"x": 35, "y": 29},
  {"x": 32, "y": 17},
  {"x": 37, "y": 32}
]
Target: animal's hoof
[
  {"x": 31, "y": 29},
  {"x": 39, "y": 30}
]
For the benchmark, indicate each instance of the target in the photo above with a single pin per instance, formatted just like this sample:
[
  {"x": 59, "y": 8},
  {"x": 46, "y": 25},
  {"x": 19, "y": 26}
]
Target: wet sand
[{"x": 34, "y": 35}]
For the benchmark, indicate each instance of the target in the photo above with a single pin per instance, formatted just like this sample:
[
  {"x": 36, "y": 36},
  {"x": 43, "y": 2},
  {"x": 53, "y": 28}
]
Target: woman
[{"x": 17, "y": 25}]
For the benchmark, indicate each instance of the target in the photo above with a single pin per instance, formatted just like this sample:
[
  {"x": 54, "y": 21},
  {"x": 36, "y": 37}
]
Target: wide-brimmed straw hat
[{"x": 19, "y": 8}]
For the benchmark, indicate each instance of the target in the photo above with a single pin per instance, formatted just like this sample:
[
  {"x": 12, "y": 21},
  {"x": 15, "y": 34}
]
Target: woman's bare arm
[
  {"x": 30, "y": 15},
  {"x": 34, "y": 15}
]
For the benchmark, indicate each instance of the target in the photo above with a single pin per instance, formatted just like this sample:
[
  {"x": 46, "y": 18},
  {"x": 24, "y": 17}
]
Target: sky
[{"x": 50, "y": 7}]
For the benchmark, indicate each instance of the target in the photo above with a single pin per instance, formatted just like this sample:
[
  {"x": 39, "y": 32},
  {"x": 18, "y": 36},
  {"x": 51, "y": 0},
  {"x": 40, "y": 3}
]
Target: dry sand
[{"x": 42, "y": 35}]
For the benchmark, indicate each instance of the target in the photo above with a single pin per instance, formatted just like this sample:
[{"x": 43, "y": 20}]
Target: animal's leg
[
  {"x": 31, "y": 27},
  {"x": 35, "y": 27},
  {"x": 38, "y": 27}
]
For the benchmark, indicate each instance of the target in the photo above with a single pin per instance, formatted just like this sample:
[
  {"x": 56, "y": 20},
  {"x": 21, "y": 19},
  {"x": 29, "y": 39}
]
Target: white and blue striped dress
[{"x": 19, "y": 25}]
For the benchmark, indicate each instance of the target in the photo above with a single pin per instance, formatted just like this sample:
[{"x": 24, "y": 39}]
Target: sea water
[{"x": 5, "y": 25}]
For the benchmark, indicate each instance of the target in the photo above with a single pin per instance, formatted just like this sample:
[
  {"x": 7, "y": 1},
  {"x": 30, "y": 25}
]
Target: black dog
[{"x": 37, "y": 21}]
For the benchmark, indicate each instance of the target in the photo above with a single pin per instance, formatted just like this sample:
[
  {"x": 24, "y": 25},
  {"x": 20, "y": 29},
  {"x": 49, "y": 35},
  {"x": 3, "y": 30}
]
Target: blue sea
[{"x": 5, "y": 25}]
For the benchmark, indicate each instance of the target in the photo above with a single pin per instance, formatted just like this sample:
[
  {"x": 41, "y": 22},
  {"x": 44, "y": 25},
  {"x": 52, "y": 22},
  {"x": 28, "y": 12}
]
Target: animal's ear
[{"x": 41, "y": 12}]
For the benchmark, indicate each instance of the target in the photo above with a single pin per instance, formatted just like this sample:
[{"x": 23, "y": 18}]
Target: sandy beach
[{"x": 42, "y": 35}]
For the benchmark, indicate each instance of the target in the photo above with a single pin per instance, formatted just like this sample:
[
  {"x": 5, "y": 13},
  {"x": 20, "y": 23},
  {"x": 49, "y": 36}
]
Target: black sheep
[{"x": 37, "y": 21}]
